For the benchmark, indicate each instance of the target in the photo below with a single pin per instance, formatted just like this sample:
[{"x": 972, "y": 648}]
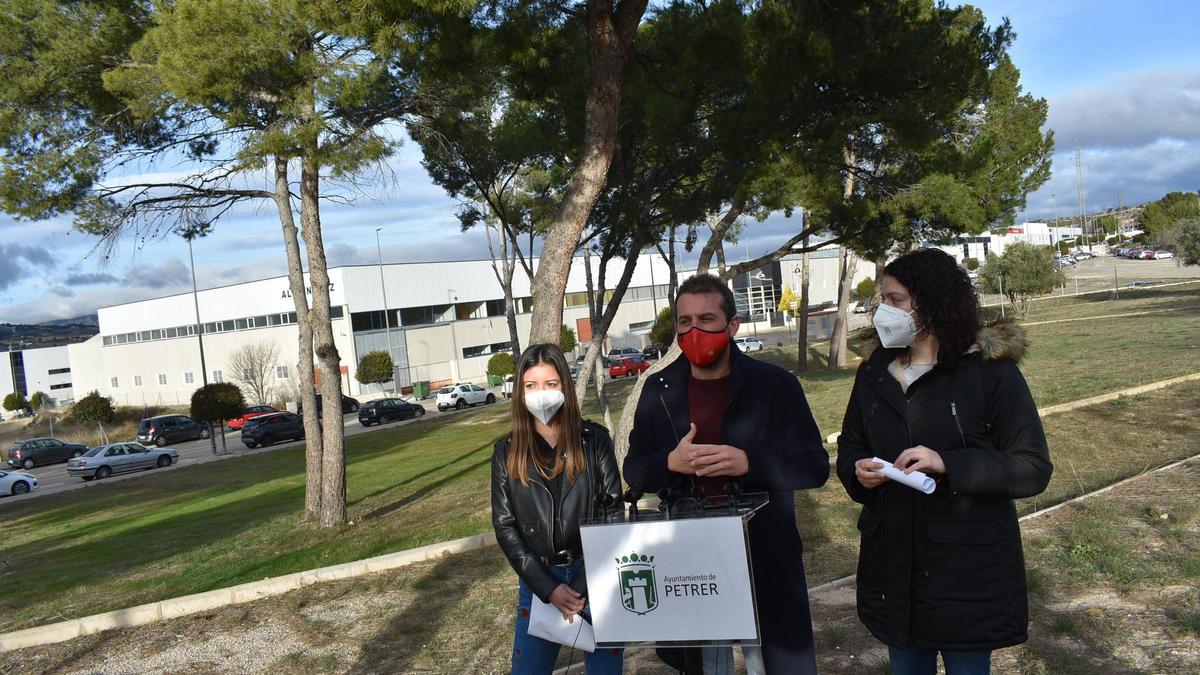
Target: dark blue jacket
[{"x": 769, "y": 419}]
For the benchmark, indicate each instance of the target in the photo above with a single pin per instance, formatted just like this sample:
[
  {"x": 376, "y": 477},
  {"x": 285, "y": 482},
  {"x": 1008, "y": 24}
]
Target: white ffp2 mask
[
  {"x": 544, "y": 403},
  {"x": 896, "y": 327}
]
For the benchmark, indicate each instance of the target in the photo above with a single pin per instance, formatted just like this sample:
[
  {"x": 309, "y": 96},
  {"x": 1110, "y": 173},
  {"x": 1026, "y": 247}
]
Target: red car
[
  {"x": 627, "y": 366},
  {"x": 251, "y": 411}
]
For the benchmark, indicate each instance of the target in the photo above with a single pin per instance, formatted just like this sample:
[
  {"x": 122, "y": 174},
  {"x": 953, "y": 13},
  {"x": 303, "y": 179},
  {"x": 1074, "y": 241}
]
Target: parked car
[
  {"x": 627, "y": 366},
  {"x": 506, "y": 389},
  {"x": 653, "y": 352},
  {"x": 384, "y": 410},
  {"x": 623, "y": 351},
  {"x": 250, "y": 413},
  {"x": 15, "y": 483},
  {"x": 1162, "y": 255},
  {"x": 863, "y": 306},
  {"x": 272, "y": 428},
  {"x": 1147, "y": 254},
  {"x": 1138, "y": 282},
  {"x": 748, "y": 344},
  {"x": 103, "y": 461},
  {"x": 349, "y": 405},
  {"x": 38, "y": 451},
  {"x": 1083, "y": 255},
  {"x": 461, "y": 395},
  {"x": 166, "y": 429}
]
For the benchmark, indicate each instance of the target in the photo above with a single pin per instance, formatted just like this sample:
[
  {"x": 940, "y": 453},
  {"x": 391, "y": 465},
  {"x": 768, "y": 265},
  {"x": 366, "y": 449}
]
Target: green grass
[{"x": 228, "y": 522}]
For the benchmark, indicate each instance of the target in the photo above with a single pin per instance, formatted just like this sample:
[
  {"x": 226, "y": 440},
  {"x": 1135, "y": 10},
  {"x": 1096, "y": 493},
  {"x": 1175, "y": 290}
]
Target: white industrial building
[
  {"x": 46, "y": 369},
  {"x": 447, "y": 320}
]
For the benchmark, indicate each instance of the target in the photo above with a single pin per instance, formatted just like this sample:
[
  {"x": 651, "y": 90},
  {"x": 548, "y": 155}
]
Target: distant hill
[
  {"x": 92, "y": 320},
  {"x": 16, "y": 336}
]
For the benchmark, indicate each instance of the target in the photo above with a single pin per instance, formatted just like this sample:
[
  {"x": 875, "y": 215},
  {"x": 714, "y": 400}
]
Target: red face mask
[{"x": 703, "y": 347}]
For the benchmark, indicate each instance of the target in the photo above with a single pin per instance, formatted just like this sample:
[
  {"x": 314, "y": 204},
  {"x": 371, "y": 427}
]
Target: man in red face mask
[{"x": 718, "y": 416}]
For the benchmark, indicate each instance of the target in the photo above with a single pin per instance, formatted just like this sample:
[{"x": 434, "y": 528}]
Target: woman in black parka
[{"x": 941, "y": 572}]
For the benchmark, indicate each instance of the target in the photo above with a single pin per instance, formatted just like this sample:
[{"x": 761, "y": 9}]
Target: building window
[
  {"x": 335, "y": 312},
  {"x": 228, "y": 325},
  {"x": 113, "y": 382},
  {"x": 276, "y": 319},
  {"x": 188, "y": 379},
  {"x": 281, "y": 372},
  {"x": 241, "y": 324},
  {"x": 170, "y": 332},
  {"x": 59, "y": 371},
  {"x": 66, "y": 385},
  {"x": 210, "y": 328},
  {"x": 162, "y": 378},
  {"x": 137, "y": 380},
  {"x": 246, "y": 373},
  {"x": 217, "y": 376}
]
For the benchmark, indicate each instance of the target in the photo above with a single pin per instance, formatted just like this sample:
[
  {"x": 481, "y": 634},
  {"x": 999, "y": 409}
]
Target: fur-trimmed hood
[
  {"x": 1004, "y": 339},
  {"x": 1001, "y": 340}
]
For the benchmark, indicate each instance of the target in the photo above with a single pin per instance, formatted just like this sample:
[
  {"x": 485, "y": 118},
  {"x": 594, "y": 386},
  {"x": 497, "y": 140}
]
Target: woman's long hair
[
  {"x": 522, "y": 446},
  {"x": 944, "y": 299}
]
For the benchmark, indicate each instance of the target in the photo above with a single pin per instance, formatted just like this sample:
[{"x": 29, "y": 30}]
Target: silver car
[{"x": 105, "y": 460}]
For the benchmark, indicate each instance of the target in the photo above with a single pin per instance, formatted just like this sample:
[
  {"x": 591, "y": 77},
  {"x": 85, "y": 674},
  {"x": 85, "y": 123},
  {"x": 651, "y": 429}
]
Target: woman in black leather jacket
[{"x": 547, "y": 475}]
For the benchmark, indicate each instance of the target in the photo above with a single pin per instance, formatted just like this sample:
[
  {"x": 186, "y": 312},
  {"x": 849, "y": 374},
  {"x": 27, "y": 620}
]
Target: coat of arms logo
[{"x": 639, "y": 593}]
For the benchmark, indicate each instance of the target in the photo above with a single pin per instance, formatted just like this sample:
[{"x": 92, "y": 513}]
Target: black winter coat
[
  {"x": 769, "y": 419},
  {"x": 946, "y": 570},
  {"x": 523, "y": 515}
]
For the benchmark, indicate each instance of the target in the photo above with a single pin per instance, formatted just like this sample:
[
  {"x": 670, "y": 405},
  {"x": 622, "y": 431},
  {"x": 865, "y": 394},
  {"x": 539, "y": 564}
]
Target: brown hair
[
  {"x": 701, "y": 284},
  {"x": 522, "y": 443}
]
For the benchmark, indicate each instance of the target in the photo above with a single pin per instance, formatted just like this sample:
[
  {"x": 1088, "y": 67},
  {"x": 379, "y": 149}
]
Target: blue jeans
[
  {"x": 535, "y": 656},
  {"x": 921, "y": 661}
]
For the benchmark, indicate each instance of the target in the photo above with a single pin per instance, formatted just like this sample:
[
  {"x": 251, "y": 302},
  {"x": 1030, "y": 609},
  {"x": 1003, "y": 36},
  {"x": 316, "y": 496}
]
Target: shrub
[
  {"x": 93, "y": 408},
  {"x": 566, "y": 339},
  {"x": 39, "y": 400},
  {"x": 15, "y": 401},
  {"x": 217, "y": 402},
  {"x": 501, "y": 364},
  {"x": 971, "y": 264},
  {"x": 375, "y": 368},
  {"x": 865, "y": 288},
  {"x": 663, "y": 332}
]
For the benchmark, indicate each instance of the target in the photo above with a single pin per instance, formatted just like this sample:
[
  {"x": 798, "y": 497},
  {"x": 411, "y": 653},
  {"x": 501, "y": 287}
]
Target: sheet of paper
[
  {"x": 546, "y": 622},
  {"x": 915, "y": 480}
]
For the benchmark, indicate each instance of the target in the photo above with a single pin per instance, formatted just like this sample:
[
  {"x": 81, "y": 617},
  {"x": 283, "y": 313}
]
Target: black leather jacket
[{"x": 522, "y": 515}]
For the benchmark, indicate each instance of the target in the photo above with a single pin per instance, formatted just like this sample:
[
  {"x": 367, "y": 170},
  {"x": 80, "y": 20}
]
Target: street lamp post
[
  {"x": 212, "y": 437},
  {"x": 387, "y": 321}
]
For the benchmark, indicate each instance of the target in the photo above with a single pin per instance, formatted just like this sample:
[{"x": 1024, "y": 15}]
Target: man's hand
[
  {"x": 567, "y": 601},
  {"x": 719, "y": 460},
  {"x": 868, "y": 473},
  {"x": 921, "y": 459},
  {"x": 679, "y": 460}
]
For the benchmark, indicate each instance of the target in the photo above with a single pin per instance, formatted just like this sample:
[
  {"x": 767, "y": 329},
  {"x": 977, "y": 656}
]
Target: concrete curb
[
  {"x": 254, "y": 590},
  {"x": 1103, "y": 398}
]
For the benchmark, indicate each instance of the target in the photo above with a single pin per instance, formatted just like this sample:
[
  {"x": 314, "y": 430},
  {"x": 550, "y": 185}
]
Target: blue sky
[{"x": 1122, "y": 79}]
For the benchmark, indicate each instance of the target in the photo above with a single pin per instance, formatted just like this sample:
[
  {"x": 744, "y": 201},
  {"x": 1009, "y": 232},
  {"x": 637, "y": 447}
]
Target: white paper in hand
[
  {"x": 915, "y": 480},
  {"x": 546, "y": 622}
]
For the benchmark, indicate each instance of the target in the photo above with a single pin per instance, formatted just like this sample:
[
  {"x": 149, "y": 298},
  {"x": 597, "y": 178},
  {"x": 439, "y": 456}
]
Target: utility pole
[
  {"x": 1079, "y": 189},
  {"x": 200, "y": 339},
  {"x": 1120, "y": 211},
  {"x": 387, "y": 321}
]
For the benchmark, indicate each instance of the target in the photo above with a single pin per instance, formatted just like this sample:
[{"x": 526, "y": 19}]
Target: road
[{"x": 53, "y": 478}]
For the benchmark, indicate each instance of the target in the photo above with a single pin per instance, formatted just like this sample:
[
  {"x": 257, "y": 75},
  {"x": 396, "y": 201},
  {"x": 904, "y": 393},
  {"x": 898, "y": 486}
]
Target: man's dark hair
[{"x": 707, "y": 283}]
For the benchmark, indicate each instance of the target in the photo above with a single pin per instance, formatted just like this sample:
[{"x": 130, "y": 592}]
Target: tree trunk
[
  {"x": 668, "y": 256},
  {"x": 880, "y": 270},
  {"x": 308, "y": 393},
  {"x": 610, "y": 35},
  {"x": 838, "y": 341},
  {"x": 716, "y": 239},
  {"x": 721, "y": 259},
  {"x": 802, "y": 326},
  {"x": 504, "y": 274},
  {"x": 600, "y": 327},
  {"x": 333, "y": 464}
]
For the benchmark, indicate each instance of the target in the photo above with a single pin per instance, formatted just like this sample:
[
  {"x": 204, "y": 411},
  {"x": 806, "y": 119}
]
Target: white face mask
[
  {"x": 545, "y": 403},
  {"x": 896, "y": 327}
]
